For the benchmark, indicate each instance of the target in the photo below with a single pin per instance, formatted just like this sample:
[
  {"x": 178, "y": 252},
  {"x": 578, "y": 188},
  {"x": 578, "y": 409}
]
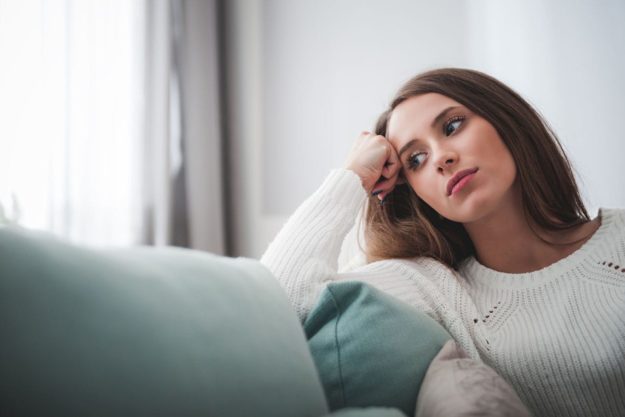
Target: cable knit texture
[{"x": 557, "y": 334}]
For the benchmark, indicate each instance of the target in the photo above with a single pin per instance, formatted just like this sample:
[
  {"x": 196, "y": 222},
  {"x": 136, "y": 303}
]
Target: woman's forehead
[{"x": 415, "y": 115}]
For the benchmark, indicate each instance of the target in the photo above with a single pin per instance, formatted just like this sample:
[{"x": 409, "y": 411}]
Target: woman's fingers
[
  {"x": 391, "y": 174},
  {"x": 392, "y": 163},
  {"x": 375, "y": 161},
  {"x": 367, "y": 158},
  {"x": 385, "y": 186}
]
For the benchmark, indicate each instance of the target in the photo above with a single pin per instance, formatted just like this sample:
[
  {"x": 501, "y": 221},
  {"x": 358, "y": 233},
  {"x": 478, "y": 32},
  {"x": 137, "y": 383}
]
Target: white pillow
[{"x": 457, "y": 386}]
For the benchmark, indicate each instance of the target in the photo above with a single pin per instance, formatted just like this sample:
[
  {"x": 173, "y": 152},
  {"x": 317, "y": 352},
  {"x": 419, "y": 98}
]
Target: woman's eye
[
  {"x": 451, "y": 126},
  {"x": 416, "y": 159}
]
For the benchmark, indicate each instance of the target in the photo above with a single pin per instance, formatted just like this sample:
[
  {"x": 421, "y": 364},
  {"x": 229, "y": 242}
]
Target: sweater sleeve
[{"x": 304, "y": 254}]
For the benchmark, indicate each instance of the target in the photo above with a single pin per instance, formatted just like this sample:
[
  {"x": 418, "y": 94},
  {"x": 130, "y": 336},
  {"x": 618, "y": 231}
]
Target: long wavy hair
[{"x": 405, "y": 226}]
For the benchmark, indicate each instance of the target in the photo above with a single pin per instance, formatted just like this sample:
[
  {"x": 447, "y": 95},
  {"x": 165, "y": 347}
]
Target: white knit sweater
[{"x": 557, "y": 334}]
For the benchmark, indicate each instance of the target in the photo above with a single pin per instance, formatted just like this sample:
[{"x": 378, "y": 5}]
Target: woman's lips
[
  {"x": 461, "y": 183},
  {"x": 458, "y": 181}
]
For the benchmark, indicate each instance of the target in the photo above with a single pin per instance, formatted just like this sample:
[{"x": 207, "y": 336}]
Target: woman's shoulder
[
  {"x": 611, "y": 230},
  {"x": 418, "y": 280},
  {"x": 612, "y": 219},
  {"x": 421, "y": 265},
  {"x": 612, "y": 211}
]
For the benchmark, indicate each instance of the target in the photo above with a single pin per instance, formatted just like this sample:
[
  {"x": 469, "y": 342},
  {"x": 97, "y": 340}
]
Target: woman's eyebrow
[
  {"x": 435, "y": 122},
  {"x": 441, "y": 115}
]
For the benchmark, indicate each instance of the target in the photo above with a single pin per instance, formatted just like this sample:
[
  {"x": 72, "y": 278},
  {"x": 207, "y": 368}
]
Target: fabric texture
[
  {"x": 359, "y": 337},
  {"x": 556, "y": 335},
  {"x": 146, "y": 332},
  {"x": 458, "y": 386},
  {"x": 368, "y": 412}
]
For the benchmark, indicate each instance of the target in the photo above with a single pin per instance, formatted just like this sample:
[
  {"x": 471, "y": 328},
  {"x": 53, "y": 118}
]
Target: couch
[{"x": 175, "y": 332}]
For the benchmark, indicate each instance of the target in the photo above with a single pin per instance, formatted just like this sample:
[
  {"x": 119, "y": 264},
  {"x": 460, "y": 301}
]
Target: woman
[{"x": 482, "y": 227}]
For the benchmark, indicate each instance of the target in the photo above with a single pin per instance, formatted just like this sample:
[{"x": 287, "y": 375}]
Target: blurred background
[{"x": 204, "y": 124}]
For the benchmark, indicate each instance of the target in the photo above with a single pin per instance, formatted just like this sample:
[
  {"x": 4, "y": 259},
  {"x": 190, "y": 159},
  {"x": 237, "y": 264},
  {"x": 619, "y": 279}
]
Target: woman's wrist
[{"x": 367, "y": 187}]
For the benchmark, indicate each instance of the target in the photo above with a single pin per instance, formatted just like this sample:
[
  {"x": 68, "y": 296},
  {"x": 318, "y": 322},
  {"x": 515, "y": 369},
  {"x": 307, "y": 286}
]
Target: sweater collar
[{"x": 473, "y": 271}]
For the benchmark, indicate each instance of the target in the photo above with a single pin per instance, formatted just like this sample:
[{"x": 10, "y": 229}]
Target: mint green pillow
[
  {"x": 370, "y": 348},
  {"x": 146, "y": 332},
  {"x": 368, "y": 412}
]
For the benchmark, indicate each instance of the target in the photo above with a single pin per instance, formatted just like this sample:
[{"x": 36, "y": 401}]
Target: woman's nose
[{"x": 445, "y": 160}]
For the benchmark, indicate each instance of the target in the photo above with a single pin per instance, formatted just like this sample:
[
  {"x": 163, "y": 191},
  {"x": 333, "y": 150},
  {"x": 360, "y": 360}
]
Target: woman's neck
[{"x": 505, "y": 241}]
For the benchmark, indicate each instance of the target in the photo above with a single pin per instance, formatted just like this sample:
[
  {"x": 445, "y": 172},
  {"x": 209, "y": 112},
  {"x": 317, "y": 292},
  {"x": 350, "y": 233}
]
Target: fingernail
[{"x": 376, "y": 192}]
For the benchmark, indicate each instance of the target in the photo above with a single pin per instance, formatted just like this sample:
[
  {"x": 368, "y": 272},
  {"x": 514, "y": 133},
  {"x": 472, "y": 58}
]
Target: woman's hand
[{"x": 375, "y": 161}]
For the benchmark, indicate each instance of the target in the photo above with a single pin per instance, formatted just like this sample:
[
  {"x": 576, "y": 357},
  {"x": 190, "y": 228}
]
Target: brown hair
[{"x": 405, "y": 226}]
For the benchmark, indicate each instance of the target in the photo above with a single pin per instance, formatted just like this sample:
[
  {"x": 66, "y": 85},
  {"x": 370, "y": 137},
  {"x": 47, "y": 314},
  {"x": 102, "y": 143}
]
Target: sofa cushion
[
  {"x": 370, "y": 348},
  {"x": 146, "y": 332},
  {"x": 367, "y": 412},
  {"x": 457, "y": 386}
]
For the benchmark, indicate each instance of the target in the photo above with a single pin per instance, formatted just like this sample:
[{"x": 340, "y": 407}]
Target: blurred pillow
[
  {"x": 146, "y": 332},
  {"x": 370, "y": 348},
  {"x": 367, "y": 412},
  {"x": 457, "y": 386}
]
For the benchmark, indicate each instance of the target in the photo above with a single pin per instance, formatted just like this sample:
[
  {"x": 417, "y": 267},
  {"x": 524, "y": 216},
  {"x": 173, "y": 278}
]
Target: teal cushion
[
  {"x": 146, "y": 332},
  {"x": 367, "y": 412},
  {"x": 370, "y": 348}
]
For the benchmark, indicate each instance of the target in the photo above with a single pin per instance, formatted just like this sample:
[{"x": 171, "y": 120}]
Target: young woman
[{"x": 482, "y": 227}]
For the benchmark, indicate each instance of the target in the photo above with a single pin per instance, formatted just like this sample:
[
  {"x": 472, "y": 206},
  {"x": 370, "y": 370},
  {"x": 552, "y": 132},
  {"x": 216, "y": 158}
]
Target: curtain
[
  {"x": 71, "y": 112},
  {"x": 183, "y": 171},
  {"x": 111, "y": 130}
]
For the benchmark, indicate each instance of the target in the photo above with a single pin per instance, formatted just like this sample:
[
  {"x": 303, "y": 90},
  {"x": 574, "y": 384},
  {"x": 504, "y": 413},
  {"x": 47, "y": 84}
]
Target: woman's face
[{"x": 453, "y": 159}]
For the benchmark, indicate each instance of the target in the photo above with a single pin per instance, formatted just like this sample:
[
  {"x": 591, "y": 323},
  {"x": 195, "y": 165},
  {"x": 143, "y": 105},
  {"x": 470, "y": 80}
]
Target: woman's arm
[{"x": 304, "y": 254}]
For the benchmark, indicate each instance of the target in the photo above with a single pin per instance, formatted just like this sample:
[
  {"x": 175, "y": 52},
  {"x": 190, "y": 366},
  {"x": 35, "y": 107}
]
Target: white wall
[
  {"x": 566, "y": 58},
  {"x": 308, "y": 76},
  {"x": 329, "y": 69}
]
